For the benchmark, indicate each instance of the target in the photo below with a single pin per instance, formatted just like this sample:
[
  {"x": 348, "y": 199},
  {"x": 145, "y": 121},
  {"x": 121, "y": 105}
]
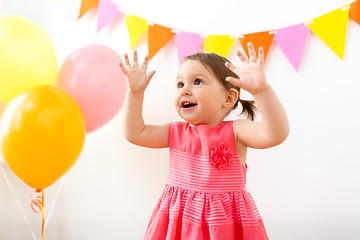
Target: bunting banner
[
  {"x": 86, "y": 5},
  {"x": 355, "y": 11},
  {"x": 219, "y": 44},
  {"x": 158, "y": 36},
  {"x": 331, "y": 28},
  {"x": 292, "y": 40},
  {"x": 258, "y": 39},
  {"x": 187, "y": 44},
  {"x": 137, "y": 28},
  {"x": 108, "y": 11}
]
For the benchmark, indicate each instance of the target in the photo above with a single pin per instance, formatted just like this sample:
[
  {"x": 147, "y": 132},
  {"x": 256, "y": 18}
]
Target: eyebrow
[{"x": 195, "y": 74}]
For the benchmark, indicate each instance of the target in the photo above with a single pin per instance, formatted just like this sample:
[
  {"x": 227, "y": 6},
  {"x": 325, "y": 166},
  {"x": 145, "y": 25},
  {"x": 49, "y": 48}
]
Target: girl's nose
[{"x": 185, "y": 92}]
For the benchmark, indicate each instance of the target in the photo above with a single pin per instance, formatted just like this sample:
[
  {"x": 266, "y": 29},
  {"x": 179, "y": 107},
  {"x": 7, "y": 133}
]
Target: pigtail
[{"x": 248, "y": 108}]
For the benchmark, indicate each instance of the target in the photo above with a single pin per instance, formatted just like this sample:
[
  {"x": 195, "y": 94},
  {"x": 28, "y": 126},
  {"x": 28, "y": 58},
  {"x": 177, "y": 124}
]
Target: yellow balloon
[
  {"x": 2, "y": 106},
  {"x": 42, "y": 132},
  {"x": 27, "y": 56}
]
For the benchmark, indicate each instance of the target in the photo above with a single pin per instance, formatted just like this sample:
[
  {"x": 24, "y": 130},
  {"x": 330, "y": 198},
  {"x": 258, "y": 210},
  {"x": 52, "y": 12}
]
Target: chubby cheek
[{"x": 176, "y": 102}]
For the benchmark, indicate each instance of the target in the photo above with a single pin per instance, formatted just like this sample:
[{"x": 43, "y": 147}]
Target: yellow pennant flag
[
  {"x": 331, "y": 28},
  {"x": 136, "y": 27},
  {"x": 219, "y": 44}
]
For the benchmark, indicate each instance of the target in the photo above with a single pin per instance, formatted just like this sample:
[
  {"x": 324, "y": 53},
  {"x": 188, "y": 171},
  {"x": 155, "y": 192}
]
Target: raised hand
[
  {"x": 137, "y": 77},
  {"x": 251, "y": 74}
]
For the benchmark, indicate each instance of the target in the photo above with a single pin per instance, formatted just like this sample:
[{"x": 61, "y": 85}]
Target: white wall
[{"x": 306, "y": 188}]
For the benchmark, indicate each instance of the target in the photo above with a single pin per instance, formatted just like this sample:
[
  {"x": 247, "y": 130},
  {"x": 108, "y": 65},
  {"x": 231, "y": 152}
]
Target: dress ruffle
[{"x": 187, "y": 214}]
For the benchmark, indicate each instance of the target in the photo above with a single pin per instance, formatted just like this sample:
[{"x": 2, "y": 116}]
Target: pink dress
[{"x": 205, "y": 195}]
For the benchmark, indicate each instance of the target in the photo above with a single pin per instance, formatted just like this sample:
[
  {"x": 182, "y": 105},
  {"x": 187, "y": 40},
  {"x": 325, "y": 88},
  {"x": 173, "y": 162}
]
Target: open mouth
[{"x": 188, "y": 105}]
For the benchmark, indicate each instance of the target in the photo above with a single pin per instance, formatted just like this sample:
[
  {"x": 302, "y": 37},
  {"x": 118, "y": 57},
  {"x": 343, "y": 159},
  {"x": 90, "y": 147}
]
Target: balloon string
[
  {"x": 17, "y": 202},
  {"x": 38, "y": 201},
  {"x": 49, "y": 213}
]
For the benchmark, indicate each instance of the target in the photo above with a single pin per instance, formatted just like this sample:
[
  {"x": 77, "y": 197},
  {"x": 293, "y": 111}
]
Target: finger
[
  {"x": 231, "y": 66},
  {"x": 150, "y": 75},
  {"x": 145, "y": 63},
  {"x": 234, "y": 81},
  {"x": 252, "y": 53},
  {"x": 127, "y": 61},
  {"x": 242, "y": 57},
  {"x": 123, "y": 68},
  {"x": 261, "y": 58},
  {"x": 135, "y": 59}
]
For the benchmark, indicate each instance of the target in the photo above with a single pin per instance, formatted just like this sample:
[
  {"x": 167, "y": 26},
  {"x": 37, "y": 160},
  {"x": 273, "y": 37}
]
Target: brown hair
[{"x": 216, "y": 64}]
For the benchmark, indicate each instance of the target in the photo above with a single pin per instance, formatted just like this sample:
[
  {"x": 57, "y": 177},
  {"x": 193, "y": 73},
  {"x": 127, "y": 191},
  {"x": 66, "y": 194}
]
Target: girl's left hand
[
  {"x": 252, "y": 73},
  {"x": 138, "y": 78}
]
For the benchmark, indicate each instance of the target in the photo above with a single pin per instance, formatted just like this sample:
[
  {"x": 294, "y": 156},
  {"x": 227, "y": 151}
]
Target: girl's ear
[{"x": 231, "y": 98}]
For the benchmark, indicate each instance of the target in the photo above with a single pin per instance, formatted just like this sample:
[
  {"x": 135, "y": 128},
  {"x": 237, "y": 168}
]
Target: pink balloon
[{"x": 92, "y": 76}]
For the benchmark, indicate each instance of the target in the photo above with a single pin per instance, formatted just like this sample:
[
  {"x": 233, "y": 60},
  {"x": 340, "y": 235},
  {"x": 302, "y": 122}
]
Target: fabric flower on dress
[{"x": 220, "y": 156}]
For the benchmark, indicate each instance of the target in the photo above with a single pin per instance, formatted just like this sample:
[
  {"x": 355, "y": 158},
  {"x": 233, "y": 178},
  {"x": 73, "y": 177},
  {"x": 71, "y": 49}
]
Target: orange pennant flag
[
  {"x": 331, "y": 28},
  {"x": 355, "y": 11},
  {"x": 158, "y": 36},
  {"x": 259, "y": 39},
  {"x": 86, "y": 5}
]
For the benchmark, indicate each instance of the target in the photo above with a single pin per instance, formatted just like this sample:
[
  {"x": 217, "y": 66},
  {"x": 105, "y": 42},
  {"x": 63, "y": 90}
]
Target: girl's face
[{"x": 200, "y": 96}]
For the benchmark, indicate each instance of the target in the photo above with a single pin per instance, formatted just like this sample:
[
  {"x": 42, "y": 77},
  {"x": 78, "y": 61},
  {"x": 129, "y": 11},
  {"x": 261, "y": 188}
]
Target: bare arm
[
  {"x": 135, "y": 129},
  {"x": 273, "y": 128}
]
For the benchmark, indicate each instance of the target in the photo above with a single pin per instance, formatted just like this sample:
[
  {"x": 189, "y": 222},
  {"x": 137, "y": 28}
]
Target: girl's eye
[
  {"x": 180, "y": 84},
  {"x": 198, "y": 81}
]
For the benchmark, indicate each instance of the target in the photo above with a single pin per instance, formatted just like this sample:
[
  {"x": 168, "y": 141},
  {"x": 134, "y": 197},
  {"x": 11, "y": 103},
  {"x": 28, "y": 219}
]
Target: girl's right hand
[
  {"x": 251, "y": 76},
  {"x": 138, "y": 80}
]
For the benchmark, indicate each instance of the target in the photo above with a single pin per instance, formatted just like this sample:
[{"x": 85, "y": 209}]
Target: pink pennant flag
[
  {"x": 292, "y": 41},
  {"x": 108, "y": 11},
  {"x": 187, "y": 44}
]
